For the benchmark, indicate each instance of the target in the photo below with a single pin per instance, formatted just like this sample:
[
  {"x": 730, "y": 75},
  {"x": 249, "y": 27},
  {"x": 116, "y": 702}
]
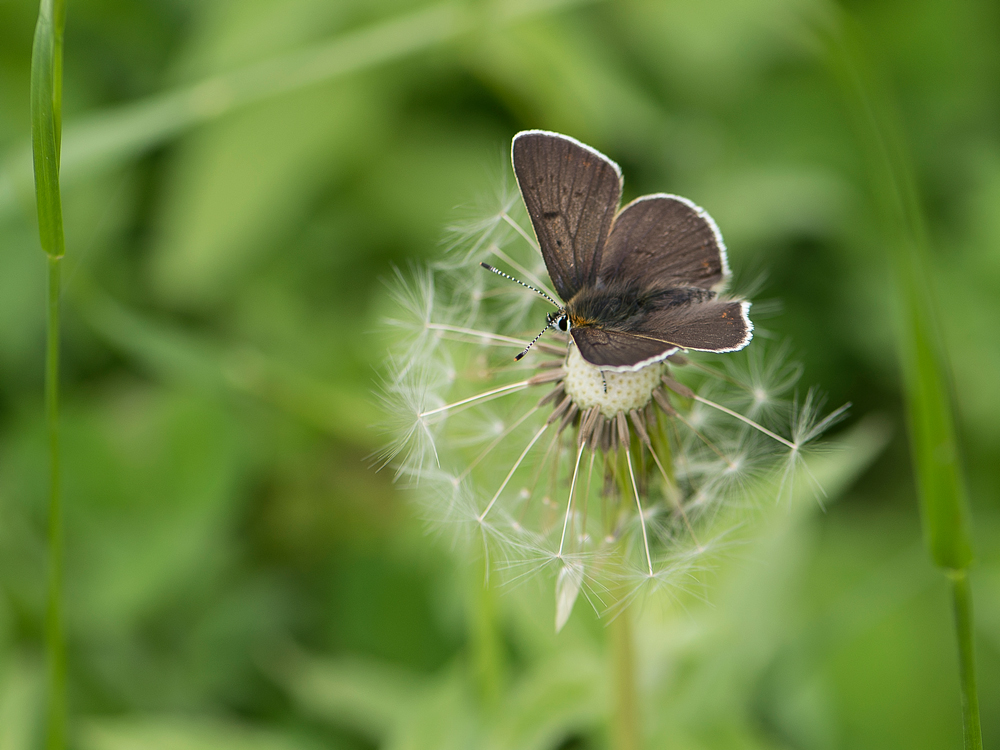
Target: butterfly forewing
[
  {"x": 665, "y": 241},
  {"x": 572, "y": 193}
]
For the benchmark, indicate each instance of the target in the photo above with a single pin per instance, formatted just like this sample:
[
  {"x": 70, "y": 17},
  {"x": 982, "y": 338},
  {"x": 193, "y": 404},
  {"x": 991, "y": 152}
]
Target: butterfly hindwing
[
  {"x": 572, "y": 193},
  {"x": 713, "y": 326},
  {"x": 710, "y": 326},
  {"x": 618, "y": 349},
  {"x": 666, "y": 241}
]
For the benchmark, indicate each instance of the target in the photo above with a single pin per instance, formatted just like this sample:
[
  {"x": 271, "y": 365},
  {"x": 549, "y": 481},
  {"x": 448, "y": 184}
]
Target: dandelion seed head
[{"x": 604, "y": 481}]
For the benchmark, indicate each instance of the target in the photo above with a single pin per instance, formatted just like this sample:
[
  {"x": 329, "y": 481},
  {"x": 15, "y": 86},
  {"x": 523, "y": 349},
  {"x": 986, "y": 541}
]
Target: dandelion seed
[{"x": 568, "y": 584}]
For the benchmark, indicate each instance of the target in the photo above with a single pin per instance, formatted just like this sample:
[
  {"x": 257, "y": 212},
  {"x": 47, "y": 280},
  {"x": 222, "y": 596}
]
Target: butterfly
[{"x": 637, "y": 284}]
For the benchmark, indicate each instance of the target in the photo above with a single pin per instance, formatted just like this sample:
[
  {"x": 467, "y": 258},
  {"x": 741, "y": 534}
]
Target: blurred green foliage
[{"x": 238, "y": 577}]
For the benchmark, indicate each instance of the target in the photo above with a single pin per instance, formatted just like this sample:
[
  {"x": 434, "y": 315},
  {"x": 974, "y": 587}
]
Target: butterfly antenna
[
  {"x": 498, "y": 272},
  {"x": 518, "y": 357}
]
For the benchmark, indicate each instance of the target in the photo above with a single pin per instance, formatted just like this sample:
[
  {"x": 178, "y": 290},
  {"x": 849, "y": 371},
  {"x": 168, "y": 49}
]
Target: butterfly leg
[{"x": 605, "y": 381}]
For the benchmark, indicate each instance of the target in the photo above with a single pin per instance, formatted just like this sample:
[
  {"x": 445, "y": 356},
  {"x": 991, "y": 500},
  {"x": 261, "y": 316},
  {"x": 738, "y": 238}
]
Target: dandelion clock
[{"x": 602, "y": 450}]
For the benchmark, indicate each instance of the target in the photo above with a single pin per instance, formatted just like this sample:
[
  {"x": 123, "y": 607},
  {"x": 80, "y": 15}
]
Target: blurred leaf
[
  {"x": 22, "y": 306},
  {"x": 366, "y": 697},
  {"x": 548, "y": 703},
  {"x": 150, "y": 480},
  {"x": 708, "y": 661},
  {"x": 442, "y": 719},
  {"x": 240, "y": 181},
  {"x": 182, "y": 733},
  {"x": 110, "y": 137},
  {"x": 558, "y": 698},
  {"x": 174, "y": 353},
  {"x": 759, "y": 207},
  {"x": 718, "y": 50},
  {"x": 21, "y": 702},
  {"x": 565, "y": 77}
]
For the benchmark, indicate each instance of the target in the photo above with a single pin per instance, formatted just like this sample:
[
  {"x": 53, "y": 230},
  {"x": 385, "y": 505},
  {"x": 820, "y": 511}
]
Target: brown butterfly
[{"x": 637, "y": 284}]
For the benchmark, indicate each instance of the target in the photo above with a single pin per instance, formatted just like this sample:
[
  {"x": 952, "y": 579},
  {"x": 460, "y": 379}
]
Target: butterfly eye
[{"x": 562, "y": 322}]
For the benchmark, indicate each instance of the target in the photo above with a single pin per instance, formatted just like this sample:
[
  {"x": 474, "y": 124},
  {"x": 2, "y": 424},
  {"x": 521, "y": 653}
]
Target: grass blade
[
  {"x": 46, "y": 135},
  {"x": 46, "y": 123},
  {"x": 927, "y": 386},
  {"x": 923, "y": 362}
]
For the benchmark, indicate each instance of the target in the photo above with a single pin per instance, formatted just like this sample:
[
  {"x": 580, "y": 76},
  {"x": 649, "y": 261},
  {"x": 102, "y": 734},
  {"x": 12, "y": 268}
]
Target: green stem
[
  {"x": 625, "y": 730},
  {"x": 486, "y": 644},
  {"x": 962, "y": 600},
  {"x": 54, "y": 638},
  {"x": 46, "y": 138}
]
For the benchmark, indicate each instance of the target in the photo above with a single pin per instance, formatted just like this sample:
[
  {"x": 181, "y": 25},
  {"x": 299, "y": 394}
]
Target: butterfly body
[
  {"x": 637, "y": 284},
  {"x": 625, "y": 304}
]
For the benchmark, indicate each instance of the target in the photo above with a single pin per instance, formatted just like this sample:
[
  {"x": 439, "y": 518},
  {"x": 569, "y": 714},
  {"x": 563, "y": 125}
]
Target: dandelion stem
[
  {"x": 625, "y": 721},
  {"x": 479, "y": 397},
  {"x": 748, "y": 421},
  {"x": 485, "y": 641},
  {"x": 586, "y": 501},
  {"x": 569, "y": 503},
  {"x": 513, "y": 468},
  {"x": 638, "y": 504}
]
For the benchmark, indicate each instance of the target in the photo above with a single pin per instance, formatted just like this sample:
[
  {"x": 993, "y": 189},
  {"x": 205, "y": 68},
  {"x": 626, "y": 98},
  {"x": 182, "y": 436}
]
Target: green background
[{"x": 239, "y": 178}]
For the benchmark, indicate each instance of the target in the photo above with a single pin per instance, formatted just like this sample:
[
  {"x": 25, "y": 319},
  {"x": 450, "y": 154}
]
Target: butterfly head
[{"x": 559, "y": 320}]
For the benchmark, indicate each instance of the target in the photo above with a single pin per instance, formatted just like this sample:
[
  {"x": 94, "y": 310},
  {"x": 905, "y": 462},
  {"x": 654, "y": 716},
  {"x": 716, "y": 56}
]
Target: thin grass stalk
[
  {"x": 46, "y": 134},
  {"x": 55, "y": 640},
  {"x": 926, "y": 373},
  {"x": 962, "y": 602}
]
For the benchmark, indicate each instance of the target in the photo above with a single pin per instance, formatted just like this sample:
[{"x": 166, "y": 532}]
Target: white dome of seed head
[{"x": 626, "y": 390}]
